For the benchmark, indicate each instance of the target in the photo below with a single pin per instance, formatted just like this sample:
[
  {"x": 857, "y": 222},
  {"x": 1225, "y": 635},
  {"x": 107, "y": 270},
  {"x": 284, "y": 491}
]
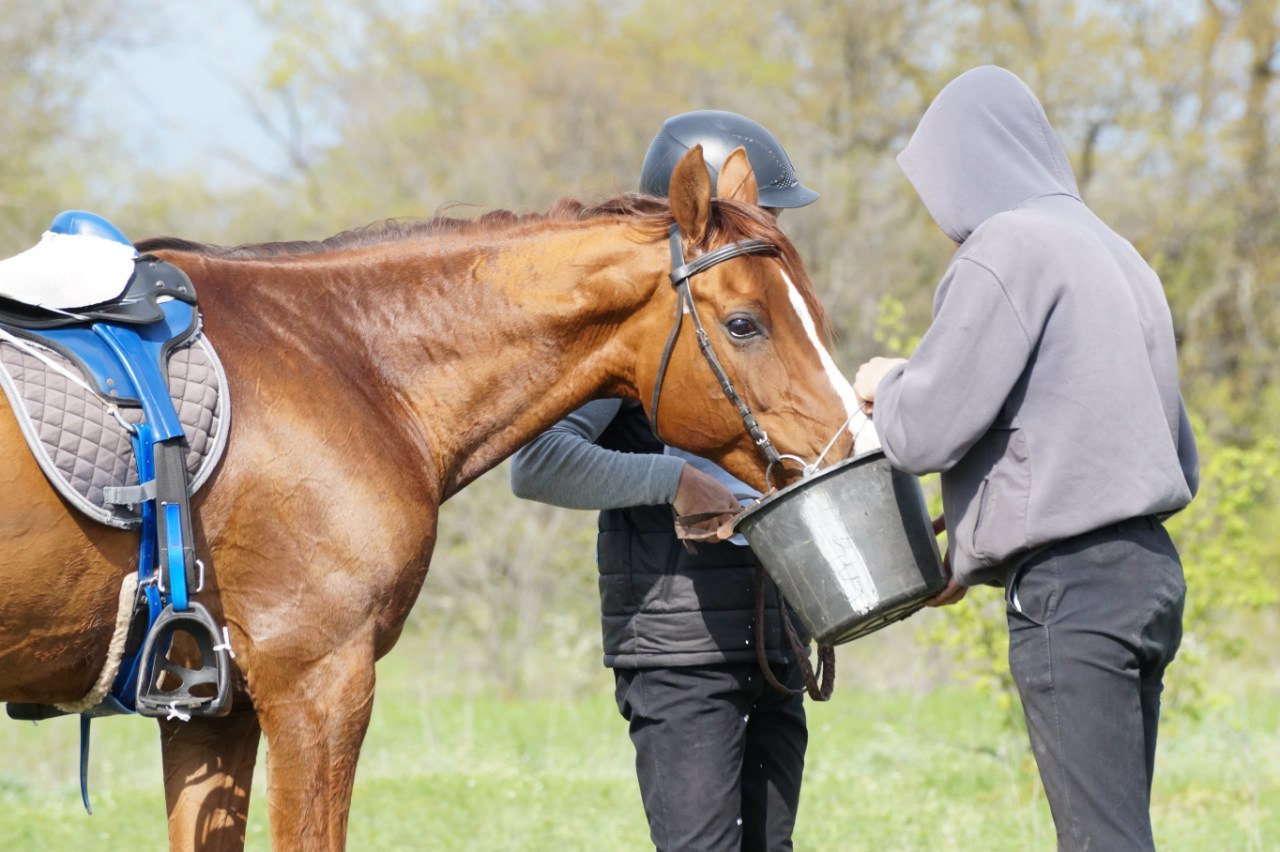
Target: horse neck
[
  {"x": 547, "y": 323},
  {"x": 479, "y": 346}
]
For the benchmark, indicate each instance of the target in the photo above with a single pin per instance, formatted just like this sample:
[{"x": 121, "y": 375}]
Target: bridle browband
[{"x": 680, "y": 274}]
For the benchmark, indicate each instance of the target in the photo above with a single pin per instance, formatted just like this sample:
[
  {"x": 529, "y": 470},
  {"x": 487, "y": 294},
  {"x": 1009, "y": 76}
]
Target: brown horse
[{"x": 374, "y": 375}]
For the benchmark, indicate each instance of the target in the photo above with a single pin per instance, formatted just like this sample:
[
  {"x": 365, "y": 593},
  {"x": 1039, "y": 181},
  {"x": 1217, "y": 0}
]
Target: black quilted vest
[{"x": 661, "y": 605}]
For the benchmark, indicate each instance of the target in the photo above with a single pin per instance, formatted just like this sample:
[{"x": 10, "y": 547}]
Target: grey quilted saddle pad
[{"x": 79, "y": 438}]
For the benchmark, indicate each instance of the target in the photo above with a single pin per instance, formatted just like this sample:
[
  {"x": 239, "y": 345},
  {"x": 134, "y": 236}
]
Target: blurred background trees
[
  {"x": 397, "y": 109},
  {"x": 48, "y": 52}
]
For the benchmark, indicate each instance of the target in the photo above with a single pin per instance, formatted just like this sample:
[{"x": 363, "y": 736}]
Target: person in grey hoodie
[
  {"x": 1045, "y": 391},
  {"x": 719, "y": 755}
]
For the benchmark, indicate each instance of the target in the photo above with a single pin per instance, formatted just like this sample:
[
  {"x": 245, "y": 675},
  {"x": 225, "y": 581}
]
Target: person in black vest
[{"x": 719, "y": 754}]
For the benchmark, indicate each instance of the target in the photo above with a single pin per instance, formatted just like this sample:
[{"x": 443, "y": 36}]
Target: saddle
[{"x": 102, "y": 341}]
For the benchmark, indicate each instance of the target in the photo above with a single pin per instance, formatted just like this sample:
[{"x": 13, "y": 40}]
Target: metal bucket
[{"x": 851, "y": 547}]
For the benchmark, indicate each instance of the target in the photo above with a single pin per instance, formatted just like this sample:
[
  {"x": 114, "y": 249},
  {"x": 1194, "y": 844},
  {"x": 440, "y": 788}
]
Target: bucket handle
[
  {"x": 807, "y": 470},
  {"x": 857, "y": 433}
]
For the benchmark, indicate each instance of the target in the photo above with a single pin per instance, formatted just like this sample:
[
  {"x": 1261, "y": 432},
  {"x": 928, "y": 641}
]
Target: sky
[{"x": 181, "y": 94}]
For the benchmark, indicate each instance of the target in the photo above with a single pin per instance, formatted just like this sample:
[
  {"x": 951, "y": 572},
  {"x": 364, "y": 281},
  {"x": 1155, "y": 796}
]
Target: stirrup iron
[{"x": 169, "y": 690}]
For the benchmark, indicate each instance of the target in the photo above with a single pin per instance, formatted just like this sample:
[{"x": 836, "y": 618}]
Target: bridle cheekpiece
[{"x": 680, "y": 274}]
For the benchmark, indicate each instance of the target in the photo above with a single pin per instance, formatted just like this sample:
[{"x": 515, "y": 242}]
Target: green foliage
[
  {"x": 890, "y": 329},
  {"x": 1230, "y": 556},
  {"x": 975, "y": 637}
]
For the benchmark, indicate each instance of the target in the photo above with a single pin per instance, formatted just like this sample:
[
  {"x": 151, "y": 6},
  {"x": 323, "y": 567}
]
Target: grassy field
[{"x": 888, "y": 770}]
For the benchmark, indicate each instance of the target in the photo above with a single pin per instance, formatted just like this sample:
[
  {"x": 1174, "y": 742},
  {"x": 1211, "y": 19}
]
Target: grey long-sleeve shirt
[
  {"x": 1046, "y": 388},
  {"x": 564, "y": 467}
]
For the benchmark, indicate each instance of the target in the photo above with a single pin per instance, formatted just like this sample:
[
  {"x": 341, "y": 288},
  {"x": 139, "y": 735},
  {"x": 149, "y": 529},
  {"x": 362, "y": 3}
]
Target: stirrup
[{"x": 168, "y": 690}]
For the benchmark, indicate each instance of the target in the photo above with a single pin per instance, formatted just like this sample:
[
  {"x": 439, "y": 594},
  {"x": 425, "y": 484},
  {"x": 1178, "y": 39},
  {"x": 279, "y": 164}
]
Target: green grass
[{"x": 895, "y": 770}]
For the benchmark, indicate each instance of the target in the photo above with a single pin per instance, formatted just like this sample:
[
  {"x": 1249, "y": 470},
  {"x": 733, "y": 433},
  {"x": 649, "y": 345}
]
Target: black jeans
[
  {"x": 1093, "y": 623},
  {"x": 719, "y": 755}
]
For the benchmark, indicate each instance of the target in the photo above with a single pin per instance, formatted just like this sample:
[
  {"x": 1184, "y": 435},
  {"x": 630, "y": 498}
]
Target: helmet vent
[{"x": 786, "y": 176}]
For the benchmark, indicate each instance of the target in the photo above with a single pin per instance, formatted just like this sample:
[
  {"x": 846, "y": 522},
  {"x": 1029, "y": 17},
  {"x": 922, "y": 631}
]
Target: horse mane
[
  {"x": 651, "y": 216},
  {"x": 396, "y": 230}
]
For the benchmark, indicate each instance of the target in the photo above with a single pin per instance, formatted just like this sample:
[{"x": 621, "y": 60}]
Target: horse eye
[{"x": 741, "y": 328}]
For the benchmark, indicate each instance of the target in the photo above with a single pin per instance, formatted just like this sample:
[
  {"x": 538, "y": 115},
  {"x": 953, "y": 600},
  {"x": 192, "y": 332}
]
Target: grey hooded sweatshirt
[{"x": 1046, "y": 389}]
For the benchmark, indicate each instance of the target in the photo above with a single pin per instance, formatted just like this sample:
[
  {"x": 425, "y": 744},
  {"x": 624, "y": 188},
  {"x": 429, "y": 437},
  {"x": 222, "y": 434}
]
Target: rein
[
  {"x": 826, "y": 670},
  {"x": 680, "y": 274}
]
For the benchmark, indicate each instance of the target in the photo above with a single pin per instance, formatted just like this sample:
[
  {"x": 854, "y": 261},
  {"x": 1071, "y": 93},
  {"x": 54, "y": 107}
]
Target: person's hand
[
  {"x": 954, "y": 592},
  {"x": 868, "y": 377},
  {"x": 703, "y": 505}
]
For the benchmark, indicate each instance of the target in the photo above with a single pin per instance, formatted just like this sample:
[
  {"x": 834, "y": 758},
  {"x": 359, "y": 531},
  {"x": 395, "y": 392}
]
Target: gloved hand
[{"x": 702, "y": 505}]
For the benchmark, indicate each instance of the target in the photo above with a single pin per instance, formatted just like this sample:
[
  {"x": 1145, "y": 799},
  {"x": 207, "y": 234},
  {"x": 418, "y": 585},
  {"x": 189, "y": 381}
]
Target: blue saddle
[
  {"x": 122, "y": 347},
  {"x": 84, "y": 223}
]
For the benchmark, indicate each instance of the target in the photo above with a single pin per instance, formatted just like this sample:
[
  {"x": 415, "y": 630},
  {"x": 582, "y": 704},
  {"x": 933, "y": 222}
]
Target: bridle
[{"x": 680, "y": 274}]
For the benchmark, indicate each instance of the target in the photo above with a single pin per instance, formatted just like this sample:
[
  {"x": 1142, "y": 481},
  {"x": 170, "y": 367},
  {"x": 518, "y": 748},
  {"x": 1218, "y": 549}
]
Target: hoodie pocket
[{"x": 1001, "y": 525}]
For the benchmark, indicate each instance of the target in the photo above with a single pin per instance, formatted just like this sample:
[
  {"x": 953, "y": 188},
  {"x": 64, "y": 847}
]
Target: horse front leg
[
  {"x": 315, "y": 718},
  {"x": 208, "y": 770}
]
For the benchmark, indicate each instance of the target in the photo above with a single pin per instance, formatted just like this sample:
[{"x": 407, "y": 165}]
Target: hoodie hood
[{"x": 983, "y": 147}]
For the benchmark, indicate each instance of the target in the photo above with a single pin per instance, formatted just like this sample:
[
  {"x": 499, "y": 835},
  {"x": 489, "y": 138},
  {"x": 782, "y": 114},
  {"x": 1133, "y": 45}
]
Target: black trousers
[
  {"x": 719, "y": 755},
  {"x": 1093, "y": 623}
]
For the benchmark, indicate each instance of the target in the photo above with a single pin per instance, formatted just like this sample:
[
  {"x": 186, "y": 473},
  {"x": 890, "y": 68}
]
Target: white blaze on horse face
[
  {"x": 838, "y": 382},
  {"x": 864, "y": 432}
]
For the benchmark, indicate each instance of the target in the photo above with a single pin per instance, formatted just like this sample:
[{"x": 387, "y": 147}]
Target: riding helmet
[{"x": 719, "y": 133}]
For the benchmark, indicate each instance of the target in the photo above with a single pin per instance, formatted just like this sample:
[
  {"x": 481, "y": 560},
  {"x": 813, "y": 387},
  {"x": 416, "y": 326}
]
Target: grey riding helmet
[{"x": 720, "y": 133}]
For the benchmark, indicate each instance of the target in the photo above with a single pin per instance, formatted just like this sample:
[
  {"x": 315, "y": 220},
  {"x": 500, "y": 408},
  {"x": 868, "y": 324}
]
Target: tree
[{"x": 48, "y": 52}]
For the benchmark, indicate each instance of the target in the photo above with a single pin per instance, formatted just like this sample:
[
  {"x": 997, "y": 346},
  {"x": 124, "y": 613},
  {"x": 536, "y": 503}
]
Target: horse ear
[
  {"x": 691, "y": 194},
  {"x": 737, "y": 179}
]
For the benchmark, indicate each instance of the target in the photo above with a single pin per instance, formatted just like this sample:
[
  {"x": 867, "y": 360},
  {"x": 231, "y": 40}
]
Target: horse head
[{"x": 746, "y": 378}]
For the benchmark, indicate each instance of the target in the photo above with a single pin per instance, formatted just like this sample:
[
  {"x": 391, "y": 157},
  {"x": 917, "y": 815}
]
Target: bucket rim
[{"x": 770, "y": 500}]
